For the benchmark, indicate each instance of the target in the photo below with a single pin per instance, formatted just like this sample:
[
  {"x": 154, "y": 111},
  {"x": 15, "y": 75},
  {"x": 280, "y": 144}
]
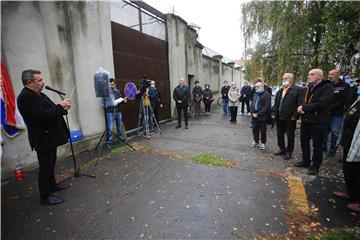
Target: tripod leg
[
  {"x": 154, "y": 118},
  {"x": 146, "y": 121},
  {"x": 141, "y": 111}
]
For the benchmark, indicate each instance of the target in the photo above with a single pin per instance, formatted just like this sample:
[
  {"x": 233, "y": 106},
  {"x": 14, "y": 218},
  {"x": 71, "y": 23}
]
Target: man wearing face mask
[
  {"x": 224, "y": 94},
  {"x": 197, "y": 94},
  {"x": 338, "y": 108},
  {"x": 155, "y": 99},
  {"x": 315, "y": 113},
  {"x": 284, "y": 111},
  {"x": 260, "y": 111}
]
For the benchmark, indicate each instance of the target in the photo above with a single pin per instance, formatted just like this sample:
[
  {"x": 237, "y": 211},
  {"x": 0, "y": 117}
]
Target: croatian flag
[{"x": 11, "y": 121}]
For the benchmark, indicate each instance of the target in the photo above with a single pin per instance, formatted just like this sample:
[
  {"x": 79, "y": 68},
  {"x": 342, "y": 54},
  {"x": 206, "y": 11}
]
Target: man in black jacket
[
  {"x": 225, "y": 98},
  {"x": 284, "y": 111},
  {"x": 260, "y": 110},
  {"x": 315, "y": 113},
  {"x": 338, "y": 108},
  {"x": 46, "y": 130},
  {"x": 181, "y": 97},
  {"x": 245, "y": 93}
]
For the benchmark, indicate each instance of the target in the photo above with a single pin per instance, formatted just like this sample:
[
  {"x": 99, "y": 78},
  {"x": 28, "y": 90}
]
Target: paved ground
[{"x": 157, "y": 192}]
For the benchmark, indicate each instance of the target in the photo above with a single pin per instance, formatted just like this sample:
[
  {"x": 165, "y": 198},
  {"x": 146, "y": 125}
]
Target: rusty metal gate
[{"x": 137, "y": 54}]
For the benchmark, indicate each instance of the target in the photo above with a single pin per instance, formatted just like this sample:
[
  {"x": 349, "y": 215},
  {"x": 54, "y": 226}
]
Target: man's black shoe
[
  {"x": 287, "y": 156},
  {"x": 279, "y": 153},
  {"x": 51, "y": 200},
  {"x": 59, "y": 186},
  {"x": 186, "y": 127},
  {"x": 177, "y": 127},
  {"x": 313, "y": 171},
  {"x": 302, "y": 164},
  {"x": 330, "y": 154}
]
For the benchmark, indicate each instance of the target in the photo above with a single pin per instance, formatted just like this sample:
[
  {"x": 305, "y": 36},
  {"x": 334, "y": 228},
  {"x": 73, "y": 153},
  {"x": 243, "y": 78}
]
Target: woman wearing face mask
[
  {"x": 234, "y": 96},
  {"x": 207, "y": 98}
]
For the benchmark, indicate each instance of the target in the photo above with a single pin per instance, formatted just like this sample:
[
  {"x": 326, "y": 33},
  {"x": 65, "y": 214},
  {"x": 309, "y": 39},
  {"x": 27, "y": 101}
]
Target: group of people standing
[
  {"x": 324, "y": 106},
  {"x": 202, "y": 95}
]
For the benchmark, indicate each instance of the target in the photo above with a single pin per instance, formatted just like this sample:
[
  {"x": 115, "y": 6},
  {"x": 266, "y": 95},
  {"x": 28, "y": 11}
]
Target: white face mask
[
  {"x": 153, "y": 85},
  {"x": 285, "y": 83}
]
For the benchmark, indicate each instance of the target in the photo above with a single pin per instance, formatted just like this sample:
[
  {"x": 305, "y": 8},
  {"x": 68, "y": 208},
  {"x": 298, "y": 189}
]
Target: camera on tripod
[{"x": 145, "y": 83}]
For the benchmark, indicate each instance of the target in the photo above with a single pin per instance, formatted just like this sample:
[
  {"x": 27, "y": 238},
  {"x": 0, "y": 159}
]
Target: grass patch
[
  {"x": 120, "y": 149},
  {"x": 210, "y": 159},
  {"x": 335, "y": 235}
]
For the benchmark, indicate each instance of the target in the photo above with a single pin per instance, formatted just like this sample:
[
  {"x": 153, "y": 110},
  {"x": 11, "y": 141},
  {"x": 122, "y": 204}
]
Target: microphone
[{"x": 54, "y": 90}]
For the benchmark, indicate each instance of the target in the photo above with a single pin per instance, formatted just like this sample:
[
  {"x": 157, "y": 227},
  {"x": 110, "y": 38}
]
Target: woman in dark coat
[{"x": 207, "y": 98}]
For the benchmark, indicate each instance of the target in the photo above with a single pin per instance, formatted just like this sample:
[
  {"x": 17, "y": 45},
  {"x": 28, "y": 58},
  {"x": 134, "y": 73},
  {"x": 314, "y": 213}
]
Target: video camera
[{"x": 145, "y": 83}]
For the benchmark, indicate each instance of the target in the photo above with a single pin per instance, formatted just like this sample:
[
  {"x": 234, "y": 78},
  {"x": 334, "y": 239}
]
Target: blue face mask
[{"x": 358, "y": 91}]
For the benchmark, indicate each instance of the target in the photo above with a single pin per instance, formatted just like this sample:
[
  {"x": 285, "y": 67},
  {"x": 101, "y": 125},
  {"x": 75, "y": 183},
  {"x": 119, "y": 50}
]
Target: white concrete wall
[
  {"x": 67, "y": 42},
  {"x": 185, "y": 57}
]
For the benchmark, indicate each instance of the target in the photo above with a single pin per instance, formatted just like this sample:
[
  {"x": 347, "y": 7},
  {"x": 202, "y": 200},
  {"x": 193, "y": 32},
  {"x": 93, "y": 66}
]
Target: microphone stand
[{"x": 77, "y": 173}]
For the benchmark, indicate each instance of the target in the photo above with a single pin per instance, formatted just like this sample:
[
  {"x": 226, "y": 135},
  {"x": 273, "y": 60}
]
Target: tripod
[
  {"x": 77, "y": 173},
  {"x": 144, "y": 110},
  {"x": 107, "y": 130}
]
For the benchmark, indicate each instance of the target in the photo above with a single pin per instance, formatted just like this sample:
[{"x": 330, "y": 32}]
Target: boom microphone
[{"x": 54, "y": 90}]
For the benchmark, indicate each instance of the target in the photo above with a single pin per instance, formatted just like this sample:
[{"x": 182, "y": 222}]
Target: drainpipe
[{"x": 219, "y": 58}]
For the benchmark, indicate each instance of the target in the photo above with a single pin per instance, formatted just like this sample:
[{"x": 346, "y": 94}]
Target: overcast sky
[{"x": 219, "y": 22}]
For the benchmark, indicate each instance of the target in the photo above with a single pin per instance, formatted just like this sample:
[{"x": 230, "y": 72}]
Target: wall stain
[
  {"x": 55, "y": 70},
  {"x": 80, "y": 9}
]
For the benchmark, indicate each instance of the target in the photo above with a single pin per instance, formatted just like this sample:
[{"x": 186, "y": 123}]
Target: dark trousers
[
  {"x": 233, "y": 111},
  {"x": 351, "y": 172},
  {"x": 287, "y": 127},
  {"x": 207, "y": 106},
  {"x": 183, "y": 109},
  {"x": 197, "y": 106},
  {"x": 314, "y": 131},
  {"x": 259, "y": 127},
  {"x": 46, "y": 177},
  {"x": 243, "y": 102}
]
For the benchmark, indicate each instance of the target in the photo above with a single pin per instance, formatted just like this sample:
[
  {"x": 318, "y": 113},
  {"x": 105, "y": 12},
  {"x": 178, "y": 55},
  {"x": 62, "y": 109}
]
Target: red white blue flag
[{"x": 11, "y": 120}]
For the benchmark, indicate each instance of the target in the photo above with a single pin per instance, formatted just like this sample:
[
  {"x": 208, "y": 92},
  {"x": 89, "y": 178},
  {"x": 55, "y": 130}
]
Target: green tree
[{"x": 294, "y": 36}]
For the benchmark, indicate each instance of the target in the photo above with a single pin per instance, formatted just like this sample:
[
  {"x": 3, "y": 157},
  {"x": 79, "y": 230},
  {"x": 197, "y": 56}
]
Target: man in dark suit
[
  {"x": 315, "y": 114},
  {"x": 46, "y": 130},
  {"x": 181, "y": 98},
  {"x": 287, "y": 100}
]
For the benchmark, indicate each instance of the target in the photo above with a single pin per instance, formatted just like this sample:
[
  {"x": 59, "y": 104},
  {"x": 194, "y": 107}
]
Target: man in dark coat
[
  {"x": 225, "y": 98},
  {"x": 338, "y": 108},
  {"x": 260, "y": 111},
  {"x": 315, "y": 114},
  {"x": 246, "y": 93},
  {"x": 46, "y": 130},
  {"x": 284, "y": 111},
  {"x": 181, "y": 97}
]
